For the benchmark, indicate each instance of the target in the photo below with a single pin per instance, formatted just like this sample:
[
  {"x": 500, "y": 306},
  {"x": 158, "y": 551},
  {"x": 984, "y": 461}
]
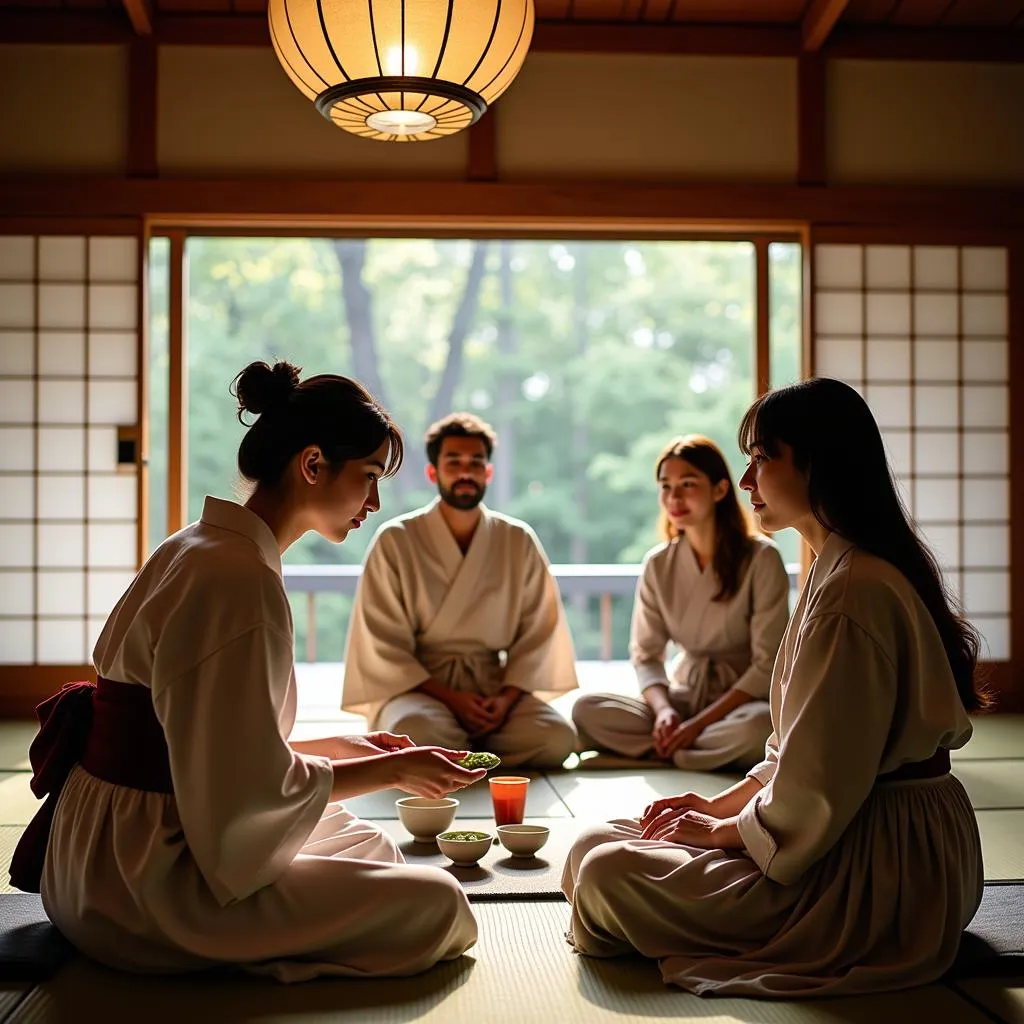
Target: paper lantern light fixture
[{"x": 401, "y": 70}]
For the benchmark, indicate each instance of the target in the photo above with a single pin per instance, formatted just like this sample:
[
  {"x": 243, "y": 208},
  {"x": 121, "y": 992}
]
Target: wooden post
[
  {"x": 606, "y": 627},
  {"x": 177, "y": 399}
]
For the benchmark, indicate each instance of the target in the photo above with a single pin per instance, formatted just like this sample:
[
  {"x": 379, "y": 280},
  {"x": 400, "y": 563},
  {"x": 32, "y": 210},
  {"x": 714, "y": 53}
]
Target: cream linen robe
[
  {"x": 848, "y": 883},
  {"x": 473, "y": 622},
  {"x": 247, "y": 863},
  {"x": 724, "y": 645}
]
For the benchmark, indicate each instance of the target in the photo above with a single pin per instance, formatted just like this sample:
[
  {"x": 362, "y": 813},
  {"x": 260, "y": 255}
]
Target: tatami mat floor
[{"x": 521, "y": 971}]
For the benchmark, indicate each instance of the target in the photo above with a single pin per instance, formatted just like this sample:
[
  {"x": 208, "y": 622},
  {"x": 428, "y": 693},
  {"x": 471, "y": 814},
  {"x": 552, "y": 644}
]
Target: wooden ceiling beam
[
  {"x": 820, "y": 19},
  {"x": 140, "y": 14},
  {"x": 22, "y": 25}
]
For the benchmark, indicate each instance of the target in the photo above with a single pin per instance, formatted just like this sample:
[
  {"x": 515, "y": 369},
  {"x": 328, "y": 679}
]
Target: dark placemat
[{"x": 542, "y": 801}]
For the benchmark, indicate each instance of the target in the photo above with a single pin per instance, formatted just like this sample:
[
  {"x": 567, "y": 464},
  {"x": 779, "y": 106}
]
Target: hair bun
[{"x": 260, "y": 387}]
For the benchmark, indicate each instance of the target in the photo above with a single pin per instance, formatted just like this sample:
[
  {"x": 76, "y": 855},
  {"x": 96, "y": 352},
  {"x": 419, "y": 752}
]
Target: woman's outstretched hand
[
  {"x": 431, "y": 771},
  {"x": 675, "y": 805}
]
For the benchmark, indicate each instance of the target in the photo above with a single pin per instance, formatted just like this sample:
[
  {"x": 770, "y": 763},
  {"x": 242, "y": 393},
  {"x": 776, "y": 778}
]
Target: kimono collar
[
  {"x": 229, "y": 515},
  {"x": 832, "y": 552}
]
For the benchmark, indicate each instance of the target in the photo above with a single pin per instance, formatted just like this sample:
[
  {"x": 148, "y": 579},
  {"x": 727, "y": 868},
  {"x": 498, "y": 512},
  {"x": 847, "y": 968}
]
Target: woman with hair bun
[{"x": 181, "y": 829}]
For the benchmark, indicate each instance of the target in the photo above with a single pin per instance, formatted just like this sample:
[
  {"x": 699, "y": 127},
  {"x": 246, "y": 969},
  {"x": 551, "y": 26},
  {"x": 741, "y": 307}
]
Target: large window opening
[{"x": 586, "y": 357}]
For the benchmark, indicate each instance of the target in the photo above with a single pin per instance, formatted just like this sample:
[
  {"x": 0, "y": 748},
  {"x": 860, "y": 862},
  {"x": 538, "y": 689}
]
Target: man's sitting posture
[{"x": 457, "y": 621}]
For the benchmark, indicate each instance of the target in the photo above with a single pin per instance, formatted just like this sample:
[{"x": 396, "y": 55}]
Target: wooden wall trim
[
  {"x": 177, "y": 393},
  {"x": 22, "y": 687},
  {"x": 498, "y": 206},
  {"x": 142, "y": 108},
  {"x": 812, "y": 120},
  {"x": 762, "y": 316},
  {"x": 482, "y": 160},
  {"x": 1015, "y": 294}
]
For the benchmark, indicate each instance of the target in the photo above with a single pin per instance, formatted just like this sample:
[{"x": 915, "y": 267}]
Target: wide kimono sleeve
[
  {"x": 648, "y": 633},
  {"x": 768, "y": 619},
  {"x": 380, "y": 653},
  {"x": 246, "y": 800},
  {"x": 541, "y": 656},
  {"x": 836, "y": 716}
]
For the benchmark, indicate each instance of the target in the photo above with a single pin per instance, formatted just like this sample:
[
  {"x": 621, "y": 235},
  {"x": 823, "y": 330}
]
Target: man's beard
[{"x": 463, "y": 499}]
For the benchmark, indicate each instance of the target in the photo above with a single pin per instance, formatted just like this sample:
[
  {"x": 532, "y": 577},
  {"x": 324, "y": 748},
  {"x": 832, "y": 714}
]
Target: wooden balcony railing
[{"x": 604, "y": 581}]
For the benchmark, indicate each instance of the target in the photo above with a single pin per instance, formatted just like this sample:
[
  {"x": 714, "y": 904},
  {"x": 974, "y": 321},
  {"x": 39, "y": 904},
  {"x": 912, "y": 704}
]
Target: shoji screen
[
  {"x": 68, "y": 380},
  {"x": 921, "y": 331}
]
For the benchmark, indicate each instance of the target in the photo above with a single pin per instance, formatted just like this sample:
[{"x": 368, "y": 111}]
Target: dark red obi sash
[
  {"x": 936, "y": 765},
  {"x": 108, "y": 727}
]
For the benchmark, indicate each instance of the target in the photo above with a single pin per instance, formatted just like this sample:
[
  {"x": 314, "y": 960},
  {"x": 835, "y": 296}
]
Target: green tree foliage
[{"x": 586, "y": 356}]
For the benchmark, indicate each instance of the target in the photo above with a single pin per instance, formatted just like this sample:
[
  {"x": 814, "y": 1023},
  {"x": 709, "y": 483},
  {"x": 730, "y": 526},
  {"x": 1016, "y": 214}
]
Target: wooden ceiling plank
[
  {"x": 983, "y": 13},
  {"x": 745, "y": 12},
  {"x": 140, "y": 14},
  {"x": 597, "y": 10},
  {"x": 869, "y": 12},
  {"x": 819, "y": 21},
  {"x": 920, "y": 13}
]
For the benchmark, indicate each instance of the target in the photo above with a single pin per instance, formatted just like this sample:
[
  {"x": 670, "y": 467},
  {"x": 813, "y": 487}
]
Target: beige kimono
[
  {"x": 724, "y": 645},
  {"x": 247, "y": 863},
  {"x": 474, "y": 623},
  {"x": 848, "y": 882}
]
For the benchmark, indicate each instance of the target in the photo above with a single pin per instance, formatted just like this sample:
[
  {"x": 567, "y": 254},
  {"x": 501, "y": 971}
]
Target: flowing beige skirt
[{"x": 884, "y": 909}]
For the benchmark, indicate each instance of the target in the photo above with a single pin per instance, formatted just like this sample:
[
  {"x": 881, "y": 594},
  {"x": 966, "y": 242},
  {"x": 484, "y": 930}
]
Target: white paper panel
[
  {"x": 888, "y": 266},
  {"x": 61, "y": 593},
  {"x": 113, "y": 497},
  {"x": 17, "y": 497},
  {"x": 838, "y": 266},
  {"x": 62, "y": 449},
  {"x": 987, "y": 591},
  {"x": 937, "y": 453},
  {"x": 62, "y": 401},
  {"x": 986, "y": 546},
  {"x": 113, "y": 259},
  {"x": 985, "y": 315},
  {"x": 936, "y": 315},
  {"x": 93, "y": 628},
  {"x": 839, "y": 313},
  {"x": 17, "y": 645},
  {"x": 17, "y": 593},
  {"x": 17, "y": 353},
  {"x": 61, "y": 642},
  {"x": 888, "y": 359},
  {"x": 16, "y": 545},
  {"x": 62, "y": 497},
  {"x": 936, "y": 267},
  {"x": 112, "y": 401},
  {"x": 17, "y": 258},
  {"x": 936, "y": 405},
  {"x": 986, "y": 500},
  {"x": 986, "y": 406},
  {"x": 890, "y": 403},
  {"x": 888, "y": 313},
  {"x": 944, "y": 544},
  {"x": 112, "y": 306},
  {"x": 995, "y": 633},
  {"x": 905, "y": 492},
  {"x": 897, "y": 446},
  {"x": 61, "y": 353},
  {"x": 17, "y": 401},
  {"x": 17, "y": 448},
  {"x": 112, "y": 545},
  {"x": 986, "y": 360},
  {"x": 103, "y": 449},
  {"x": 983, "y": 269},
  {"x": 985, "y": 453},
  {"x": 61, "y": 258},
  {"x": 106, "y": 588},
  {"x": 839, "y": 358},
  {"x": 17, "y": 305},
  {"x": 112, "y": 354},
  {"x": 62, "y": 305},
  {"x": 61, "y": 545},
  {"x": 936, "y": 500},
  {"x": 936, "y": 360}
]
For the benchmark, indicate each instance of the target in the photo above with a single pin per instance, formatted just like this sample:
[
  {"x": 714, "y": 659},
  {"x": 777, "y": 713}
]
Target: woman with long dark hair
[
  {"x": 849, "y": 859},
  {"x": 182, "y": 830},
  {"x": 717, "y": 591}
]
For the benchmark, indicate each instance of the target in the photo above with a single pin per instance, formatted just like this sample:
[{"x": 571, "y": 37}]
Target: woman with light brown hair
[{"x": 720, "y": 593}]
